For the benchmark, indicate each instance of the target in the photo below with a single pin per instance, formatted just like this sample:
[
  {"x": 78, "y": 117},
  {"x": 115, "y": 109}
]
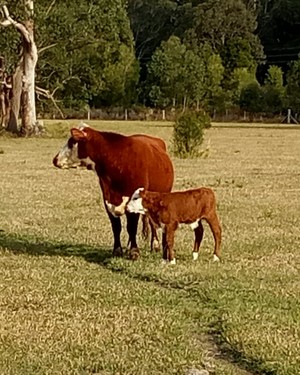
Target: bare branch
[
  {"x": 19, "y": 26},
  {"x": 48, "y": 95},
  {"x": 50, "y": 7},
  {"x": 47, "y": 47}
]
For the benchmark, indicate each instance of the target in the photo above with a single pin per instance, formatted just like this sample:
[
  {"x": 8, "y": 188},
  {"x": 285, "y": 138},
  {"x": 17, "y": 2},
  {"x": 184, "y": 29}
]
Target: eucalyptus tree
[
  {"x": 92, "y": 58},
  {"x": 85, "y": 49},
  {"x": 24, "y": 76}
]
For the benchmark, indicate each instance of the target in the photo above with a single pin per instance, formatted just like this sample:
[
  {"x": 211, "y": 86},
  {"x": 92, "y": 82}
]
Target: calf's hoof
[
  {"x": 156, "y": 246},
  {"x": 134, "y": 253},
  {"x": 118, "y": 252},
  {"x": 216, "y": 258}
]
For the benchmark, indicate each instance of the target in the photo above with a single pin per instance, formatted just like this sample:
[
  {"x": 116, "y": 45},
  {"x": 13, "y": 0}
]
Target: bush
[{"x": 188, "y": 133}]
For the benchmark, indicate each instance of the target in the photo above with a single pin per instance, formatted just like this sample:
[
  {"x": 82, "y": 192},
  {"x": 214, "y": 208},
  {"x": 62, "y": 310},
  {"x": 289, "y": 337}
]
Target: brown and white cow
[
  {"x": 168, "y": 210},
  {"x": 122, "y": 163}
]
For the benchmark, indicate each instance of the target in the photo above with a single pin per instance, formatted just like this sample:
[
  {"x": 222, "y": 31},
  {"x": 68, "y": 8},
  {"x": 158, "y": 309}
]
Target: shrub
[{"x": 188, "y": 133}]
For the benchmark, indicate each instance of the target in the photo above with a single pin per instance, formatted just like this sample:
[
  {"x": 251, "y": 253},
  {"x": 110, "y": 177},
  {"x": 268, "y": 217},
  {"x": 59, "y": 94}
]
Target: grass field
[{"x": 68, "y": 307}]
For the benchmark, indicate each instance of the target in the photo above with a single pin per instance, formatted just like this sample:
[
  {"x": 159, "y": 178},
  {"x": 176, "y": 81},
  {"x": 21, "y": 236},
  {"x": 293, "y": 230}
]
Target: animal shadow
[{"x": 25, "y": 245}]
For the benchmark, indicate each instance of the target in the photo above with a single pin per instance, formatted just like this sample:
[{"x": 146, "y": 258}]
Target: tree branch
[
  {"x": 42, "y": 49},
  {"x": 19, "y": 26},
  {"x": 50, "y": 7},
  {"x": 48, "y": 95}
]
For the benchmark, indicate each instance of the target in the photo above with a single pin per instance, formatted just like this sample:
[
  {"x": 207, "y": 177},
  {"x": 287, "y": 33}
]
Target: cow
[
  {"x": 167, "y": 210},
  {"x": 122, "y": 163}
]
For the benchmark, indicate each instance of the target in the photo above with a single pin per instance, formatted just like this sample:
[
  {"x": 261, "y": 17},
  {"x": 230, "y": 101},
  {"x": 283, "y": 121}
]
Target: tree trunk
[
  {"x": 30, "y": 57},
  {"x": 15, "y": 101},
  {"x": 24, "y": 76}
]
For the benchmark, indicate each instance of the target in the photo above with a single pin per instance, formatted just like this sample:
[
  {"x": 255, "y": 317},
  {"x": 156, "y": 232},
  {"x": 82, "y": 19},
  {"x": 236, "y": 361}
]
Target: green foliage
[
  {"x": 86, "y": 52},
  {"x": 251, "y": 98},
  {"x": 185, "y": 74},
  {"x": 274, "y": 91},
  {"x": 166, "y": 69},
  {"x": 293, "y": 87},
  {"x": 188, "y": 133}
]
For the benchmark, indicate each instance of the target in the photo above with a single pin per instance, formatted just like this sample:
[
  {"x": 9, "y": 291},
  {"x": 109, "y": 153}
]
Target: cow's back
[
  {"x": 125, "y": 163},
  {"x": 152, "y": 168}
]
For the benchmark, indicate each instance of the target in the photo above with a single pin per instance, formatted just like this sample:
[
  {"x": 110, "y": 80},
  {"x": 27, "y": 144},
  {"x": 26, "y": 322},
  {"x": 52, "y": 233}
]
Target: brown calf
[{"x": 167, "y": 210}]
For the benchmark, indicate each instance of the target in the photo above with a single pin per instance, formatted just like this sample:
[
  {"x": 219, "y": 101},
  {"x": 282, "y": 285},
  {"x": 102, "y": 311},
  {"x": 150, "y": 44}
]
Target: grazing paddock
[{"x": 69, "y": 307}]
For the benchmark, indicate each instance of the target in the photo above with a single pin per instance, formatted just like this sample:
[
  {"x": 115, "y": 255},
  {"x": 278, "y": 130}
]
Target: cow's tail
[{"x": 145, "y": 228}]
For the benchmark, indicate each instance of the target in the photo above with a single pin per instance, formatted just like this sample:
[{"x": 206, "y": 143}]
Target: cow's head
[
  {"x": 135, "y": 204},
  {"x": 74, "y": 153}
]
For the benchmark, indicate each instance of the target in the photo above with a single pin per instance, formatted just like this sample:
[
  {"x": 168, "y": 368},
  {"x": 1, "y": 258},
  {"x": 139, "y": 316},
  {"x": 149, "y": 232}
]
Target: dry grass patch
[{"x": 68, "y": 307}]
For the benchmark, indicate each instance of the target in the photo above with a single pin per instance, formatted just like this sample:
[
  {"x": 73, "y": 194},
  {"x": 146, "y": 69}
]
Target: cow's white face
[
  {"x": 67, "y": 157},
  {"x": 135, "y": 204}
]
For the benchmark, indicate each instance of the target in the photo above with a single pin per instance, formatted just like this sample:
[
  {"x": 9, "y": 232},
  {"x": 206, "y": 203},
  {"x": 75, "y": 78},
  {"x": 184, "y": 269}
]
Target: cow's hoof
[
  {"x": 118, "y": 252},
  {"x": 134, "y": 253}
]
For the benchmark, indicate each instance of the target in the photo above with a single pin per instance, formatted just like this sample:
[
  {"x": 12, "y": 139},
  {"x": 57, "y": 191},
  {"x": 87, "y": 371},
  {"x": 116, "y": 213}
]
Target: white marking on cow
[
  {"x": 68, "y": 157},
  {"x": 89, "y": 162},
  {"x": 164, "y": 262},
  {"x": 195, "y": 224},
  {"x": 156, "y": 244},
  {"x": 216, "y": 258},
  {"x": 195, "y": 255},
  {"x": 173, "y": 261},
  {"x": 111, "y": 208},
  {"x": 120, "y": 210}
]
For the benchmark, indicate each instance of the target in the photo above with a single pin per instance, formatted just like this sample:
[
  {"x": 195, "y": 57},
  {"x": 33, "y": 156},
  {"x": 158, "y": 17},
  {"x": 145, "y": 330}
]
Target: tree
[
  {"x": 251, "y": 99},
  {"x": 165, "y": 72},
  {"x": 293, "y": 87},
  {"x": 274, "y": 90},
  {"x": 24, "y": 75}
]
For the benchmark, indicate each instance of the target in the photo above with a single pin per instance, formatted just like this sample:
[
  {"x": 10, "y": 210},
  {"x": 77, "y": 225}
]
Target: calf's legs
[
  {"x": 168, "y": 242},
  {"x": 198, "y": 239},
  {"x": 216, "y": 229}
]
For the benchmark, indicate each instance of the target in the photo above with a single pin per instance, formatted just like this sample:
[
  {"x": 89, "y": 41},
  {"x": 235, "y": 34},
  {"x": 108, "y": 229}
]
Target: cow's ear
[{"x": 78, "y": 134}]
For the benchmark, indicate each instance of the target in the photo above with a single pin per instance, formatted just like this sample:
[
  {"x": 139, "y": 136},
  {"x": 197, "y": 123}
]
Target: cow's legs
[
  {"x": 198, "y": 238},
  {"x": 132, "y": 225},
  {"x": 215, "y": 227},
  {"x": 116, "y": 227}
]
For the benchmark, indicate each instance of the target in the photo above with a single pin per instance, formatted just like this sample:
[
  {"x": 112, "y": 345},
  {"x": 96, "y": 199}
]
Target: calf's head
[
  {"x": 143, "y": 200},
  {"x": 135, "y": 204}
]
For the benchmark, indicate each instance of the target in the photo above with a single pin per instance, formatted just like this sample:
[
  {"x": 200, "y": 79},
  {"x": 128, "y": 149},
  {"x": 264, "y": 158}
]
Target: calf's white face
[{"x": 135, "y": 203}]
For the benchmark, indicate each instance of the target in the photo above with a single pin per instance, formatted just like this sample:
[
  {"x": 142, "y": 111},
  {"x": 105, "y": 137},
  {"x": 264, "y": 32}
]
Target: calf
[{"x": 167, "y": 210}]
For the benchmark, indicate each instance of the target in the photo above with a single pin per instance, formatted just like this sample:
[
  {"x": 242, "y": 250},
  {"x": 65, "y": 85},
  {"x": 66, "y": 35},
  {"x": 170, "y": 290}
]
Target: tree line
[{"x": 208, "y": 54}]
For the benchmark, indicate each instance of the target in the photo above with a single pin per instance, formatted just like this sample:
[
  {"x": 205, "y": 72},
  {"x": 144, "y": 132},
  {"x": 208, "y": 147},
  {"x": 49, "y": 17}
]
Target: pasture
[{"x": 68, "y": 307}]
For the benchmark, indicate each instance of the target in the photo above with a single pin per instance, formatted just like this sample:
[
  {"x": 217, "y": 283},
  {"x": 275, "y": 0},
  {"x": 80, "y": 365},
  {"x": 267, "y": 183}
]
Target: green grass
[{"x": 69, "y": 307}]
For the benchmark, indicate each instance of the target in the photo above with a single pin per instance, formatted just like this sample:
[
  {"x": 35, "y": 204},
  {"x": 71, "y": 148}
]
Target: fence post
[
  {"x": 163, "y": 114},
  {"x": 126, "y": 115}
]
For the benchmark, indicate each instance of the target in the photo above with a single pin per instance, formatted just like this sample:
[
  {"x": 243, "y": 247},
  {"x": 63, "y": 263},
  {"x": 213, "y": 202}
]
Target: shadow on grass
[{"x": 27, "y": 245}]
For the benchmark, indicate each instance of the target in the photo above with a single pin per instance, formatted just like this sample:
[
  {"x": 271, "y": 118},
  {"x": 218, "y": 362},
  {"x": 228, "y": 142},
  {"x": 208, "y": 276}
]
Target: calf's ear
[{"x": 78, "y": 134}]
